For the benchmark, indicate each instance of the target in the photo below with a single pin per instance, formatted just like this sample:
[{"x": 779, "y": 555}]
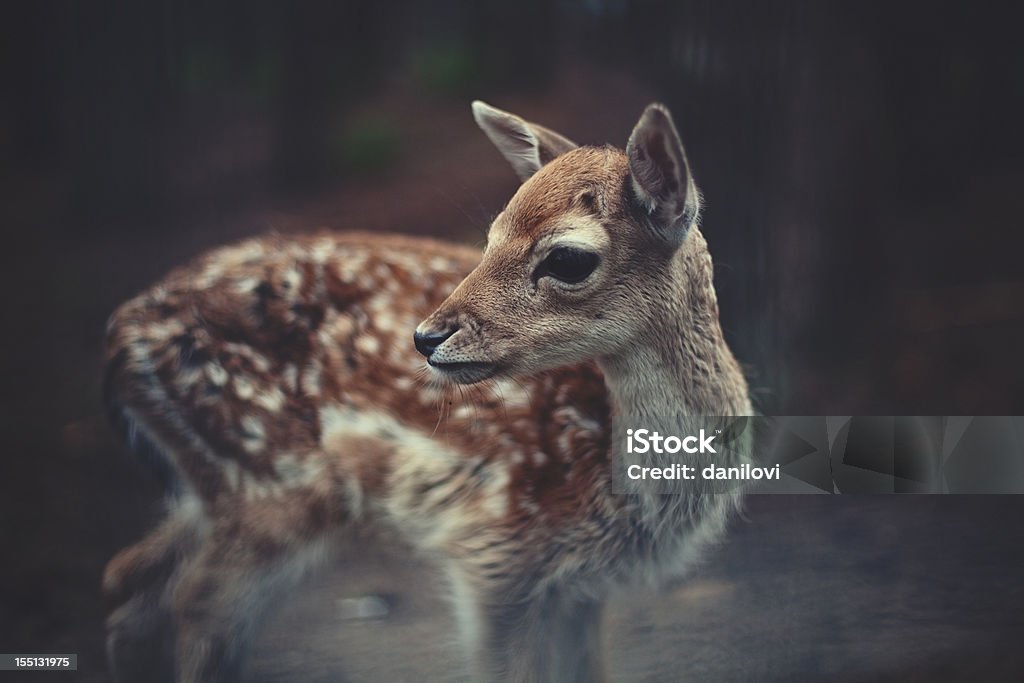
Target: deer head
[{"x": 580, "y": 262}]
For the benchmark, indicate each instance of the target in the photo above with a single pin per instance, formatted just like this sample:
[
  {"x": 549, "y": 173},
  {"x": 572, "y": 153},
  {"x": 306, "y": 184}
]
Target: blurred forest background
[{"x": 861, "y": 164}]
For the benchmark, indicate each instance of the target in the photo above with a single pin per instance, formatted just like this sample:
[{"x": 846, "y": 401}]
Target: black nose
[{"x": 426, "y": 343}]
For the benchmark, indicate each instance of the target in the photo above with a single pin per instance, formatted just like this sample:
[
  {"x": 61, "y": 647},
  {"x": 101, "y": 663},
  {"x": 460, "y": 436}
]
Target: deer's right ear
[{"x": 525, "y": 145}]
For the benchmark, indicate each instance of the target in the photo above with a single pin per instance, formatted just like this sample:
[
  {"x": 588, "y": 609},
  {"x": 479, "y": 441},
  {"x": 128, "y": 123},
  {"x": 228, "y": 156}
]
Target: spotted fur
[{"x": 276, "y": 384}]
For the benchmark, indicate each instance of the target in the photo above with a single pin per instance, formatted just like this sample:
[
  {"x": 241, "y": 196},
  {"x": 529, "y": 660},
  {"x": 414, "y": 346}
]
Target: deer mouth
[{"x": 465, "y": 372}]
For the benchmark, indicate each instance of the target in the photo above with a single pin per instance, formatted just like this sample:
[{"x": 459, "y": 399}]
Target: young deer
[{"x": 274, "y": 382}]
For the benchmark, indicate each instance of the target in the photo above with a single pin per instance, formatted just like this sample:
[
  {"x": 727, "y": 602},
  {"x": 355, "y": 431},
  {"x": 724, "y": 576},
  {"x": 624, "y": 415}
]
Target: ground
[{"x": 805, "y": 588}]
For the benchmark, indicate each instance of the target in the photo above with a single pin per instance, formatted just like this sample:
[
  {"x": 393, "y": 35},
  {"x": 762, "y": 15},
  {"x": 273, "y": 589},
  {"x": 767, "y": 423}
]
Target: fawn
[{"x": 276, "y": 385}]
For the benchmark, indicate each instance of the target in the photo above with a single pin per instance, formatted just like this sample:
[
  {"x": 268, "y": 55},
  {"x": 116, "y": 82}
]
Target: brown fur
[{"x": 278, "y": 380}]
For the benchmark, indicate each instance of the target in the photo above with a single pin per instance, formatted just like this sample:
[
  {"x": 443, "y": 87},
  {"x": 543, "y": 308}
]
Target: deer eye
[{"x": 567, "y": 264}]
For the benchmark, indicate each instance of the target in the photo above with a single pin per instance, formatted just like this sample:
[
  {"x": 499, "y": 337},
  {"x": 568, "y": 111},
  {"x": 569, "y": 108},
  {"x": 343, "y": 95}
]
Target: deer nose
[{"x": 426, "y": 342}]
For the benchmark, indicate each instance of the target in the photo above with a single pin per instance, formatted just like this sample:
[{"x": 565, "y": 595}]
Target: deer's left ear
[
  {"x": 525, "y": 145},
  {"x": 661, "y": 176}
]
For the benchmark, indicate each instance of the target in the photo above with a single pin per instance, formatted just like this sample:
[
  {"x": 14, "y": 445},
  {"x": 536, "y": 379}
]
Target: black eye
[{"x": 567, "y": 264}]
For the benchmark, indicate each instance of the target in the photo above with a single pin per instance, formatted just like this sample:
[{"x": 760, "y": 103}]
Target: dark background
[{"x": 861, "y": 164}]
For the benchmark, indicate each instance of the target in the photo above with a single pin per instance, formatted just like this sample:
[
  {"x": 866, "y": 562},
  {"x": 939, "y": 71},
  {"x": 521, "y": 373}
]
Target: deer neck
[{"x": 681, "y": 365}]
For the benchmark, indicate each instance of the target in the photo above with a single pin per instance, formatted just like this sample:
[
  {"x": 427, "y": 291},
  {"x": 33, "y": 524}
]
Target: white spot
[
  {"x": 271, "y": 400},
  {"x": 292, "y": 279},
  {"x": 246, "y": 252},
  {"x": 217, "y": 374},
  {"x": 311, "y": 378},
  {"x": 340, "y": 327},
  {"x": 246, "y": 285},
  {"x": 260, "y": 362},
  {"x": 322, "y": 250},
  {"x": 253, "y": 434},
  {"x": 290, "y": 376},
  {"x": 384, "y": 322},
  {"x": 367, "y": 344},
  {"x": 244, "y": 388},
  {"x": 188, "y": 376},
  {"x": 164, "y": 330}
]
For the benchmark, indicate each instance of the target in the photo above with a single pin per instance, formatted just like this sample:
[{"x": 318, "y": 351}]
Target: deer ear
[
  {"x": 525, "y": 145},
  {"x": 661, "y": 177}
]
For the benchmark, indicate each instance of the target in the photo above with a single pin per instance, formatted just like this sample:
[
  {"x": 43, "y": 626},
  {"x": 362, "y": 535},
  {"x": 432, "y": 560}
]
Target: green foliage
[
  {"x": 448, "y": 68},
  {"x": 367, "y": 146}
]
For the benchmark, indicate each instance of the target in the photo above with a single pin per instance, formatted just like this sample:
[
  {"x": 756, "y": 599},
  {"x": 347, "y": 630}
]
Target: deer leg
[
  {"x": 139, "y": 633},
  {"x": 225, "y": 592},
  {"x": 554, "y": 637},
  {"x": 153, "y": 559},
  {"x": 140, "y": 640}
]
